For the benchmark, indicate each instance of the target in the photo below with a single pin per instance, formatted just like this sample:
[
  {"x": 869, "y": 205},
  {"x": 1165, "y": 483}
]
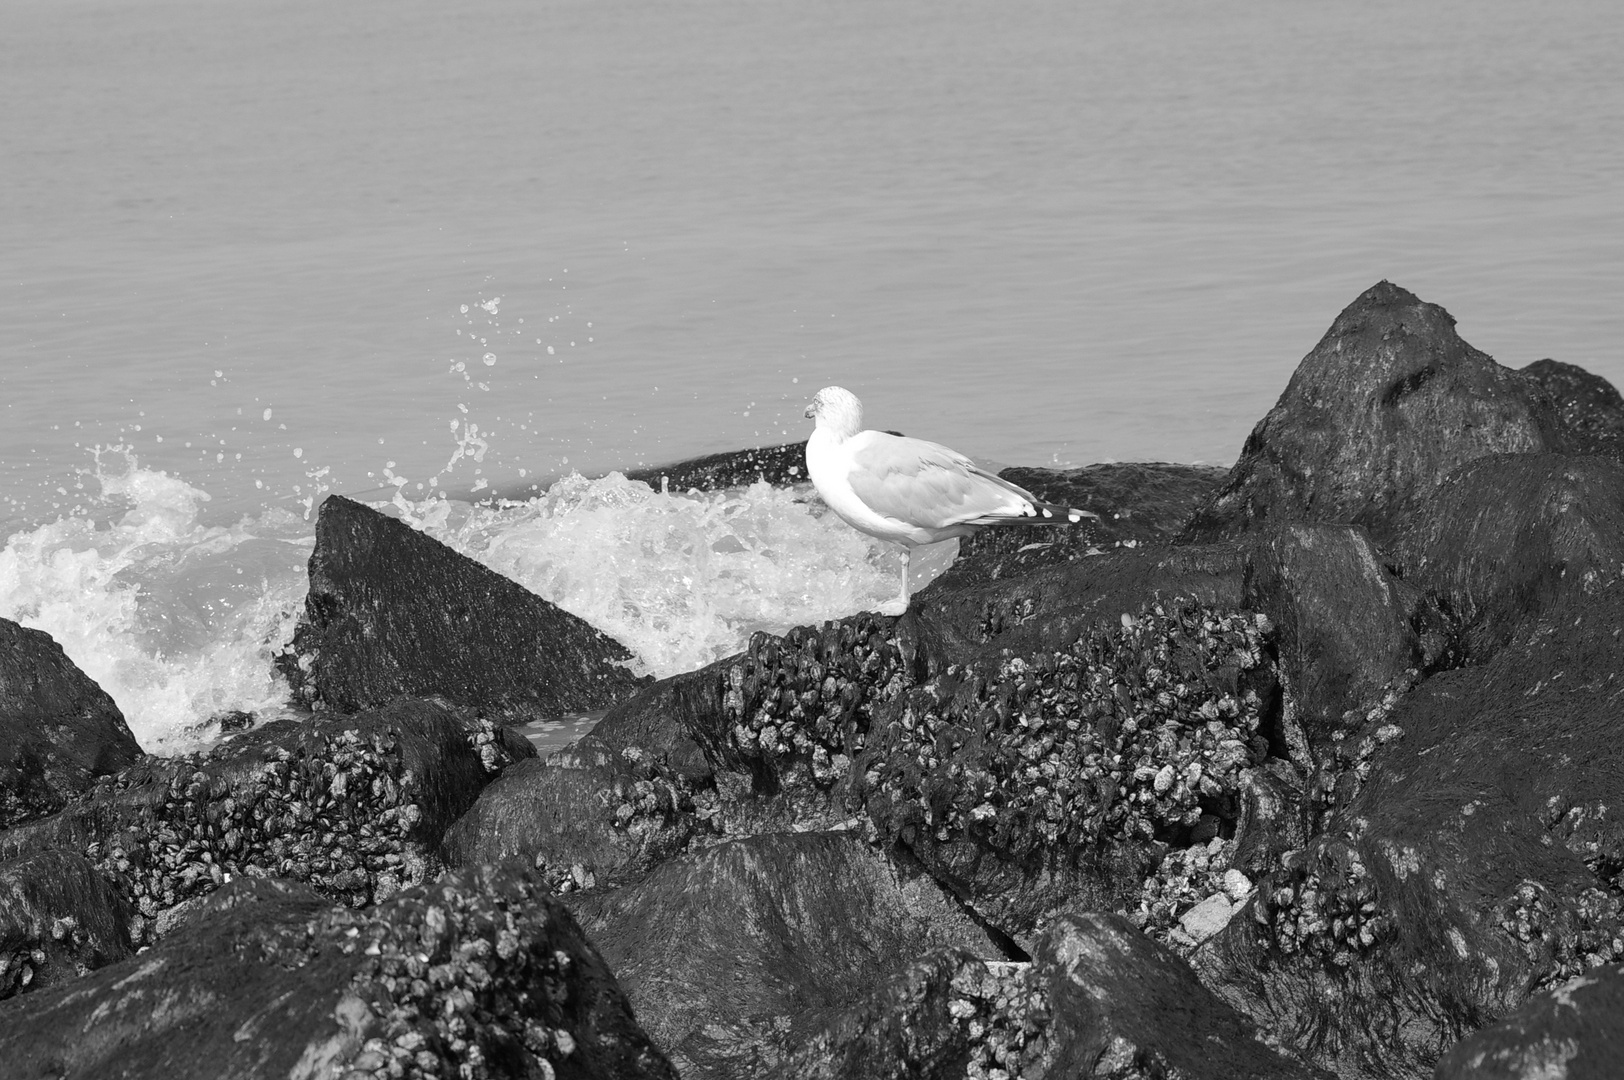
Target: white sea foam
[
  {"x": 176, "y": 620},
  {"x": 680, "y": 579}
]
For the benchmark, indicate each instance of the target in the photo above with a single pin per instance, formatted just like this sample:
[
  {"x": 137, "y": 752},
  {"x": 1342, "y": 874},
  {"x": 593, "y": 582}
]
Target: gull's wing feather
[{"x": 929, "y": 485}]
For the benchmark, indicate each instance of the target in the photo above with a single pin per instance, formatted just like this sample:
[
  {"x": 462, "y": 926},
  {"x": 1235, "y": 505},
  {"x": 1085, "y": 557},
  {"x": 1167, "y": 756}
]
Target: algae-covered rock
[
  {"x": 1589, "y": 405},
  {"x": 59, "y": 731},
  {"x": 58, "y": 919},
  {"x": 394, "y": 613},
  {"x": 1388, "y": 403},
  {"x": 478, "y": 975},
  {"x": 1575, "y": 1032}
]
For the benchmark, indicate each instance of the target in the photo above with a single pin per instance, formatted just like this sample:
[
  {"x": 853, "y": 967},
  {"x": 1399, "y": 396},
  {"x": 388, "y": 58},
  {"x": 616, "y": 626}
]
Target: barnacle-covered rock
[
  {"x": 59, "y": 731},
  {"x": 58, "y": 920},
  {"x": 732, "y": 954},
  {"x": 392, "y": 612},
  {"x": 355, "y": 808},
  {"x": 477, "y": 977},
  {"x": 1031, "y": 779}
]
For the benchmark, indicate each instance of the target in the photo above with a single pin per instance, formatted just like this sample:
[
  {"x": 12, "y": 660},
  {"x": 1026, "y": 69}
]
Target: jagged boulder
[
  {"x": 355, "y": 808},
  {"x": 1574, "y": 1032},
  {"x": 1388, "y": 403},
  {"x": 1466, "y": 854},
  {"x": 394, "y": 613},
  {"x": 58, "y": 729},
  {"x": 732, "y": 954},
  {"x": 59, "y": 918},
  {"x": 480, "y": 975}
]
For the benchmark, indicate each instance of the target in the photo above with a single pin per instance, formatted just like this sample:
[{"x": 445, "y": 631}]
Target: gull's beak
[{"x": 811, "y": 410}]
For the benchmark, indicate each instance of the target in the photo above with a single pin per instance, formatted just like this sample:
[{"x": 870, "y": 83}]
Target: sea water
[{"x": 466, "y": 261}]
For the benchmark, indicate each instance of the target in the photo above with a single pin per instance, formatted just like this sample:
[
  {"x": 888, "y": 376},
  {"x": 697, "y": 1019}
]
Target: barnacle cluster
[
  {"x": 1004, "y": 1012},
  {"x": 463, "y": 982},
  {"x": 1141, "y": 730},
  {"x": 1569, "y": 936},
  {"x": 1184, "y": 878},
  {"x": 802, "y": 703},
  {"x": 336, "y": 811},
  {"x": 1324, "y": 903}
]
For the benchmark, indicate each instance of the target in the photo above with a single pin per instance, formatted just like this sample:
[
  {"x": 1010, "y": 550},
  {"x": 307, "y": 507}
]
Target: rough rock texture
[
  {"x": 1508, "y": 539},
  {"x": 1388, "y": 403},
  {"x": 1589, "y": 405},
  {"x": 355, "y": 808},
  {"x": 58, "y": 729},
  {"x": 394, "y": 613},
  {"x": 1098, "y": 1000},
  {"x": 1348, "y": 630},
  {"x": 58, "y": 920},
  {"x": 731, "y": 955},
  {"x": 479, "y": 975},
  {"x": 1575, "y": 1032},
  {"x": 1137, "y": 503},
  {"x": 781, "y": 466}
]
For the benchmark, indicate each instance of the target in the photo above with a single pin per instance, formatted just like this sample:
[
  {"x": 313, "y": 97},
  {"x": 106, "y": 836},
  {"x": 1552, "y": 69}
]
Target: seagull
[{"x": 909, "y": 491}]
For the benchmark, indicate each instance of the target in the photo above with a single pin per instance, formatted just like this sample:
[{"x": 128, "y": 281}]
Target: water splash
[
  {"x": 681, "y": 580},
  {"x": 174, "y": 619}
]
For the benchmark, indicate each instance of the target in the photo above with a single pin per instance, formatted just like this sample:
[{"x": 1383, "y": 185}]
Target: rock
[
  {"x": 1388, "y": 403},
  {"x": 1509, "y": 539},
  {"x": 357, "y": 808},
  {"x": 1207, "y": 917},
  {"x": 1098, "y": 1000},
  {"x": 394, "y": 613},
  {"x": 58, "y": 729},
  {"x": 781, "y": 466},
  {"x": 731, "y": 955},
  {"x": 1348, "y": 630},
  {"x": 479, "y": 974},
  {"x": 1113, "y": 994},
  {"x": 1575, "y": 1032},
  {"x": 1589, "y": 405},
  {"x": 1137, "y": 503},
  {"x": 1467, "y": 855},
  {"x": 58, "y": 920}
]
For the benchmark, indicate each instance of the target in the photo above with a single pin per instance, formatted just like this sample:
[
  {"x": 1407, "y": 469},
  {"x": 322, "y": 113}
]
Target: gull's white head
[{"x": 837, "y": 409}]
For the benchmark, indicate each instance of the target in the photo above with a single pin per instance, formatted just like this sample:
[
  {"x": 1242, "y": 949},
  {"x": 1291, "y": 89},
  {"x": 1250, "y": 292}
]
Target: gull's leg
[{"x": 900, "y": 604}]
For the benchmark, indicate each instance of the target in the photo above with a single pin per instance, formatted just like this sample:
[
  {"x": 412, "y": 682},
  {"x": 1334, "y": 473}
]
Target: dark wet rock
[
  {"x": 731, "y": 955},
  {"x": 58, "y": 729},
  {"x": 1137, "y": 503},
  {"x": 58, "y": 919},
  {"x": 1468, "y": 855},
  {"x": 479, "y": 975},
  {"x": 957, "y": 619},
  {"x": 781, "y": 466},
  {"x": 357, "y": 808},
  {"x": 1348, "y": 630},
  {"x": 394, "y": 613},
  {"x": 1511, "y": 538},
  {"x": 1575, "y": 1032},
  {"x": 1099, "y": 1000},
  {"x": 1388, "y": 403},
  {"x": 1588, "y": 404}
]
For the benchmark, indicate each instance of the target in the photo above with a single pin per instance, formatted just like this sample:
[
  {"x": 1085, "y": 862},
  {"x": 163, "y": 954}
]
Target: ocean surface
[{"x": 426, "y": 254}]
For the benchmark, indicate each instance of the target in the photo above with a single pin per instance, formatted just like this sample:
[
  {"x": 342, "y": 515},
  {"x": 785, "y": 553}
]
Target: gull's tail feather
[{"x": 1043, "y": 514}]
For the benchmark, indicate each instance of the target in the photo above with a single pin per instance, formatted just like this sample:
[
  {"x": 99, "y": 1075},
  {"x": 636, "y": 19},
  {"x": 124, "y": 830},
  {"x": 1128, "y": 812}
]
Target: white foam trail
[
  {"x": 174, "y": 619},
  {"x": 681, "y": 580}
]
